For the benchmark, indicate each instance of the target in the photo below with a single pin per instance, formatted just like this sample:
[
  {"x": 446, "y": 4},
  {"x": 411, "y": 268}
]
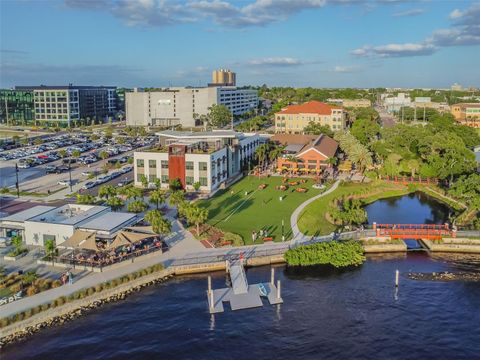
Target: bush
[
  {"x": 56, "y": 283},
  {"x": 90, "y": 291},
  {"x": 59, "y": 302},
  {"x": 235, "y": 239},
  {"x": 32, "y": 290},
  {"x": 16, "y": 287},
  {"x": 337, "y": 254},
  {"x": 98, "y": 288},
  {"x": 4, "y": 322}
]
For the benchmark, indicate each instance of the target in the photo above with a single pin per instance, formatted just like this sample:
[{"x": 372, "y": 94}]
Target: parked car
[
  {"x": 89, "y": 185},
  {"x": 5, "y": 241},
  {"x": 64, "y": 182}
]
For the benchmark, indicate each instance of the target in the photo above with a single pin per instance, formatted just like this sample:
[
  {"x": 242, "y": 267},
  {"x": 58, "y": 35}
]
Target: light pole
[
  {"x": 17, "y": 185},
  {"x": 70, "y": 172},
  {"x": 283, "y": 230}
]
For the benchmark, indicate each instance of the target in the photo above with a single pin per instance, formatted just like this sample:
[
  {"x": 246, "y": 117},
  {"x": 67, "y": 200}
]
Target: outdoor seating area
[{"x": 84, "y": 249}]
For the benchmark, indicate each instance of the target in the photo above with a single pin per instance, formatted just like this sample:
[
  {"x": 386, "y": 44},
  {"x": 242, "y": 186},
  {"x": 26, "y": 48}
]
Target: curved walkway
[{"x": 297, "y": 235}]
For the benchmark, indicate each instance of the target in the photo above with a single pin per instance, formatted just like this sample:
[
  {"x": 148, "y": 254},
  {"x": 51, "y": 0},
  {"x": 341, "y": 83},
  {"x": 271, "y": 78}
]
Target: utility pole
[
  {"x": 17, "y": 184},
  {"x": 423, "y": 113},
  {"x": 6, "y": 108}
]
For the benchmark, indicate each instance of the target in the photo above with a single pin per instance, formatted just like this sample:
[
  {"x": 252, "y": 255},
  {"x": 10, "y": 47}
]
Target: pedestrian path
[{"x": 297, "y": 235}]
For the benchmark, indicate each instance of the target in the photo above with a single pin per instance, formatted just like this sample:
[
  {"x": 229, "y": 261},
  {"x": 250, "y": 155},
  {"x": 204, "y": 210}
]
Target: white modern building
[
  {"x": 211, "y": 158},
  {"x": 395, "y": 103},
  {"x": 183, "y": 105},
  {"x": 42, "y": 223}
]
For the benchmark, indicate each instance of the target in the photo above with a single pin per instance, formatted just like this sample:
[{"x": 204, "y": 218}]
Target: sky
[{"x": 299, "y": 43}]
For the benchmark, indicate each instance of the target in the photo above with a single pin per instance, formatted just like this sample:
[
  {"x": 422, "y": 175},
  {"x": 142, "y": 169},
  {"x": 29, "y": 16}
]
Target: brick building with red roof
[{"x": 294, "y": 118}]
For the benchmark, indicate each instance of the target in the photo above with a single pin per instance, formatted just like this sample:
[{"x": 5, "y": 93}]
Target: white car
[
  {"x": 89, "y": 185},
  {"x": 64, "y": 182},
  {"x": 5, "y": 241}
]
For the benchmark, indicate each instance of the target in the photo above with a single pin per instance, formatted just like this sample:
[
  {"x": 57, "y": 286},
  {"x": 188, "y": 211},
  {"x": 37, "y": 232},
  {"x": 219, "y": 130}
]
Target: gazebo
[
  {"x": 81, "y": 240},
  {"x": 127, "y": 238}
]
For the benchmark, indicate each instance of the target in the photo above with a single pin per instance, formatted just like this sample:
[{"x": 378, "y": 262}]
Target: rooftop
[
  {"x": 299, "y": 143},
  {"x": 28, "y": 214},
  {"x": 465, "y": 105},
  {"x": 310, "y": 107},
  {"x": 69, "y": 214},
  {"x": 110, "y": 221},
  {"x": 201, "y": 135}
]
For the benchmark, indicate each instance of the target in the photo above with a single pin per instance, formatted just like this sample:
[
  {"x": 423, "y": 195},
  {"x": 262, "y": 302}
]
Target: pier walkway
[{"x": 238, "y": 277}]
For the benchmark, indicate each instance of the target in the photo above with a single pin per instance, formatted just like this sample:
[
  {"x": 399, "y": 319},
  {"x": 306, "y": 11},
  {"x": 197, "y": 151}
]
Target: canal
[{"x": 327, "y": 314}]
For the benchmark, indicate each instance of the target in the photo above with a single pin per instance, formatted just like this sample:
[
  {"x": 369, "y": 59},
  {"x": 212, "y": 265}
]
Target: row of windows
[
  {"x": 152, "y": 164},
  {"x": 189, "y": 180}
]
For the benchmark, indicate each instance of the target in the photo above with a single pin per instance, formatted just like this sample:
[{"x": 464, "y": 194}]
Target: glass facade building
[{"x": 16, "y": 107}]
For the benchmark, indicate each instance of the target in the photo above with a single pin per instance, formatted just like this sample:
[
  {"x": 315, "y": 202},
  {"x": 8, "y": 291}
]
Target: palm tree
[
  {"x": 50, "y": 249},
  {"x": 62, "y": 153},
  {"x": 159, "y": 224},
  {"x": 104, "y": 155},
  {"x": 157, "y": 197},
  {"x": 261, "y": 153},
  {"x": 76, "y": 154},
  {"x": 144, "y": 181},
  {"x": 131, "y": 192},
  {"x": 361, "y": 156},
  {"x": 413, "y": 165},
  {"x": 196, "y": 215},
  {"x": 177, "y": 197},
  {"x": 107, "y": 191},
  {"x": 115, "y": 203}
]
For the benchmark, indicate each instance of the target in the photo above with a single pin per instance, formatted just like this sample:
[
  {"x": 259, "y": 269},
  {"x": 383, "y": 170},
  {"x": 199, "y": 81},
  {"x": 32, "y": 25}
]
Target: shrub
[
  {"x": 337, "y": 254},
  {"x": 98, "y": 287},
  {"x": 16, "y": 287},
  {"x": 19, "y": 317},
  {"x": 235, "y": 239},
  {"x": 56, "y": 283},
  {"x": 90, "y": 291},
  {"x": 32, "y": 290},
  {"x": 4, "y": 322},
  {"x": 59, "y": 302},
  {"x": 28, "y": 313}
]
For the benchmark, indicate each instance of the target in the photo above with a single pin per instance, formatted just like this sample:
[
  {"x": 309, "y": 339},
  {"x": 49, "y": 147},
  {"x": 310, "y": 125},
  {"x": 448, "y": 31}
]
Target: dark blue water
[{"x": 326, "y": 315}]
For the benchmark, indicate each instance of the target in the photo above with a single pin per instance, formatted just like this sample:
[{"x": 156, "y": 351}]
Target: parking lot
[{"x": 46, "y": 168}]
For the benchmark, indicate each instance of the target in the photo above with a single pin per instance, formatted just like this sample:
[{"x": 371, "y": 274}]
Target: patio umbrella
[{"x": 78, "y": 237}]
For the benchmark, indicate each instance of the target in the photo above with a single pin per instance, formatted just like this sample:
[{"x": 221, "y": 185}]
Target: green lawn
[
  {"x": 312, "y": 220},
  {"x": 260, "y": 209}
]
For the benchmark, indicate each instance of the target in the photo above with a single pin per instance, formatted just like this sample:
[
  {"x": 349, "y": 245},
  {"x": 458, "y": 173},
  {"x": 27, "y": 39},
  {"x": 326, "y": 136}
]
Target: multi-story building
[
  {"x": 211, "y": 158},
  {"x": 294, "y": 118},
  {"x": 63, "y": 105},
  {"x": 353, "y": 103},
  {"x": 467, "y": 114},
  {"x": 394, "y": 104},
  {"x": 183, "y": 105},
  {"x": 16, "y": 107},
  {"x": 223, "y": 77}
]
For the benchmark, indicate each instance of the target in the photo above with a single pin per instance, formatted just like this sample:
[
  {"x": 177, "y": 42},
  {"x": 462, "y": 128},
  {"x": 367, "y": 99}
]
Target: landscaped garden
[{"x": 254, "y": 204}]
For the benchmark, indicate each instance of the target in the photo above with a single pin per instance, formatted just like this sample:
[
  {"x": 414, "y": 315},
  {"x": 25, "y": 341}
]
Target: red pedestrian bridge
[{"x": 413, "y": 231}]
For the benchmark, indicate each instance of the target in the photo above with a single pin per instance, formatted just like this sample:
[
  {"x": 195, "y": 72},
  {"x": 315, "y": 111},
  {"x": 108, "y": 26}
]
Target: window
[
  {"x": 164, "y": 164},
  {"x": 139, "y": 177},
  {"x": 140, "y": 163},
  {"x": 189, "y": 165},
  {"x": 152, "y": 164},
  {"x": 202, "y": 166},
  {"x": 47, "y": 238},
  {"x": 203, "y": 181},
  {"x": 164, "y": 179},
  {"x": 152, "y": 178},
  {"x": 189, "y": 180}
]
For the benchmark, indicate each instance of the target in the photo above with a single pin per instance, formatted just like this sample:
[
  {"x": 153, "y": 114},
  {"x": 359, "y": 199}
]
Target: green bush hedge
[{"x": 337, "y": 254}]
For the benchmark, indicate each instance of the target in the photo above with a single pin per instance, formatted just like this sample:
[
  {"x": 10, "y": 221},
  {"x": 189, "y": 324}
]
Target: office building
[
  {"x": 223, "y": 77},
  {"x": 456, "y": 87},
  {"x": 211, "y": 159},
  {"x": 183, "y": 105},
  {"x": 67, "y": 105},
  {"x": 16, "y": 107},
  {"x": 294, "y": 118},
  {"x": 467, "y": 114},
  {"x": 393, "y": 104}
]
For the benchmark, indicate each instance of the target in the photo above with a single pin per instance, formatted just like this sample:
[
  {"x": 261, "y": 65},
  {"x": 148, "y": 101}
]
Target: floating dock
[{"x": 242, "y": 295}]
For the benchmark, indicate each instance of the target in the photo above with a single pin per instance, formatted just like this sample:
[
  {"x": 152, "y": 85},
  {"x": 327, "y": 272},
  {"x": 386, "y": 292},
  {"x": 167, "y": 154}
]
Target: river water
[{"x": 326, "y": 315}]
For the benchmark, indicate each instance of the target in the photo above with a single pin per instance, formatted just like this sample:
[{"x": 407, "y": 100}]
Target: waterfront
[{"x": 326, "y": 314}]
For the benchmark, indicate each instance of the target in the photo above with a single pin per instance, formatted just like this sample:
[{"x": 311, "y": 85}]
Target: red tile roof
[
  {"x": 323, "y": 143},
  {"x": 310, "y": 107}
]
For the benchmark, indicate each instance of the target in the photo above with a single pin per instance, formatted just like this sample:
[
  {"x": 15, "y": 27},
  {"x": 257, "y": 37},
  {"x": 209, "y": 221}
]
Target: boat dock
[{"x": 242, "y": 295}]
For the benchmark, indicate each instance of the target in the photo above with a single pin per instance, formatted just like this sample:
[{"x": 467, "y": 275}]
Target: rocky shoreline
[
  {"x": 445, "y": 276},
  {"x": 76, "y": 312}
]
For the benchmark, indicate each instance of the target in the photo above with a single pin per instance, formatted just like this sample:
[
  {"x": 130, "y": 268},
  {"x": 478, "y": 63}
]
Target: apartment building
[
  {"x": 64, "y": 105},
  {"x": 467, "y": 114},
  {"x": 16, "y": 107},
  {"x": 294, "y": 118},
  {"x": 223, "y": 77},
  {"x": 208, "y": 158},
  {"x": 395, "y": 103},
  {"x": 183, "y": 105}
]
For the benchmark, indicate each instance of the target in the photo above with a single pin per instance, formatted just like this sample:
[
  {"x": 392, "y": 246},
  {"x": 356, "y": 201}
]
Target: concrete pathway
[{"x": 297, "y": 235}]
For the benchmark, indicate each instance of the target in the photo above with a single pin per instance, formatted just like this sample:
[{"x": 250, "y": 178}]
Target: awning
[
  {"x": 127, "y": 238},
  {"x": 80, "y": 238},
  {"x": 141, "y": 229}
]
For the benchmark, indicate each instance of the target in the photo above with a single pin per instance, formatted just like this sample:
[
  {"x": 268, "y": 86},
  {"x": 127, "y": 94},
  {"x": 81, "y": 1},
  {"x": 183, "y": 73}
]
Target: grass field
[
  {"x": 312, "y": 220},
  {"x": 260, "y": 209}
]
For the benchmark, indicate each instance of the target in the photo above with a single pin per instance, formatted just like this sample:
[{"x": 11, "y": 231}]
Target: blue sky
[{"x": 319, "y": 43}]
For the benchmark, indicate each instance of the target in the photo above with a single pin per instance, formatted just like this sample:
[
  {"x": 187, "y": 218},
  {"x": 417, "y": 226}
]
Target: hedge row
[{"x": 80, "y": 294}]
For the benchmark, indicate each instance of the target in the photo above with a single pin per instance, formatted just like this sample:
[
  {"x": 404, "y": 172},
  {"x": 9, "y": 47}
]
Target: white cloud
[
  {"x": 411, "y": 12},
  {"x": 346, "y": 69},
  {"x": 465, "y": 31},
  {"x": 276, "y": 61},
  {"x": 395, "y": 50}
]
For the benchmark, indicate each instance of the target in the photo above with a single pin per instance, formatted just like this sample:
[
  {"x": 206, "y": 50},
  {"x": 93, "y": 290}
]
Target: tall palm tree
[
  {"x": 159, "y": 224},
  {"x": 157, "y": 197},
  {"x": 196, "y": 215}
]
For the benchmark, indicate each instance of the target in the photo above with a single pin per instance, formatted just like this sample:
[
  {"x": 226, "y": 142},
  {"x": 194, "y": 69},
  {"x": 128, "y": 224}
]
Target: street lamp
[
  {"x": 70, "y": 172},
  {"x": 283, "y": 230},
  {"x": 17, "y": 185}
]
